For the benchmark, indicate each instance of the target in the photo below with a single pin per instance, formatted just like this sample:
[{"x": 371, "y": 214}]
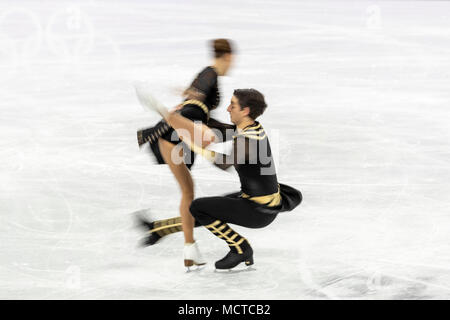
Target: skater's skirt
[{"x": 192, "y": 112}]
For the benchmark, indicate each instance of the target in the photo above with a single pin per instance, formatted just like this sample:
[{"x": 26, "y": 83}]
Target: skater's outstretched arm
[
  {"x": 225, "y": 130},
  {"x": 197, "y": 136},
  {"x": 240, "y": 153},
  {"x": 186, "y": 129}
]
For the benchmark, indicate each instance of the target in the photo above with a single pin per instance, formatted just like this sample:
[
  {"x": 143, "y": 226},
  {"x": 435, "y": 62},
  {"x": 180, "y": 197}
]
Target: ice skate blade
[{"x": 239, "y": 268}]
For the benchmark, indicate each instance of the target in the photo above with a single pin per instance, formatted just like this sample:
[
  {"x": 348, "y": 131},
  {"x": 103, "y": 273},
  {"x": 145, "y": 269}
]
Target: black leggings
[{"x": 230, "y": 209}]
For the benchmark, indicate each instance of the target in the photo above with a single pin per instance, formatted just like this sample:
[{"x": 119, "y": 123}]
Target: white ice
[{"x": 358, "y": 115}]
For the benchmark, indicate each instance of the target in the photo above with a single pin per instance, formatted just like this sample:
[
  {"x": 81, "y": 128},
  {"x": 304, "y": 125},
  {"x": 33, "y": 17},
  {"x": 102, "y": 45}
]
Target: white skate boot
[{"x": 192, "y": 255}]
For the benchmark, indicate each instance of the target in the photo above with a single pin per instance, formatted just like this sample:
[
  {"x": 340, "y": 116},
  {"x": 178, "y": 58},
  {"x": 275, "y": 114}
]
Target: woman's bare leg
[
  {"x": 189, "y": 131},
  {"x": 184, "y": 178}
]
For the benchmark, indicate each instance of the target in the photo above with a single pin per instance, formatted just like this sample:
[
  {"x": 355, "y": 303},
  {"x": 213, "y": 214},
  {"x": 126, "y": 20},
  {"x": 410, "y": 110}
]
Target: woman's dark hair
[
  {"x": 221, "y": 46},
  {"x": 253, "y": 99}
]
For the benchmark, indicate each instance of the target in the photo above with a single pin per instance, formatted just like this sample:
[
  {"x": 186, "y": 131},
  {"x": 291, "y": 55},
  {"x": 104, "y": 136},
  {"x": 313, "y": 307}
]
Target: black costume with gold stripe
[
  {"x": 261, "y": 197},
  {"x": 205, "y": 85},
  {"x": 257, "y": 204}
]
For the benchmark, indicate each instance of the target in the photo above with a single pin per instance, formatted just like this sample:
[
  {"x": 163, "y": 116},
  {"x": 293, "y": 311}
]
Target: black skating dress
[{"x": 206, "y": 85}]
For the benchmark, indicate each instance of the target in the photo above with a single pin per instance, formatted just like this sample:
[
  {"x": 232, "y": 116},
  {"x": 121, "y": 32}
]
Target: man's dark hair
[{"x": 253, "y": 99}]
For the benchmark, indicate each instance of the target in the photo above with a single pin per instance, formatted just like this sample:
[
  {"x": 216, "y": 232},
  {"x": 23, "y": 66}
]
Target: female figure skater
[{"x": 200, "y": 98}]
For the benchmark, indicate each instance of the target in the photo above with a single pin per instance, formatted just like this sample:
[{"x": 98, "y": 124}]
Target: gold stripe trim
[
  {"x": 227, "y": 232},
  {"x": 270, "y": 200},
  {"x": 215, "y": 223},
  {"x": 254, "y": 136},
  {"x": 253, "y": 131},
  {"x": 199, "y": 104},
  {"x": 233, "y": 236},
  {"x": 237, "y": 245},
  {"x": 230, "y": 240},
  {"x": 253, "y": 128},
  {"x": 165, "y": 227}
]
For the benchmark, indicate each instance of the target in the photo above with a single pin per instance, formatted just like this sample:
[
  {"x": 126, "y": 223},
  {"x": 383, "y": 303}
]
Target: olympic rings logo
[{"x": 68, "y": 35}]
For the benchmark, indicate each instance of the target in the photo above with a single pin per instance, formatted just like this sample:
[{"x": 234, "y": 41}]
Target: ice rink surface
[{"x": 358, "y": 115}]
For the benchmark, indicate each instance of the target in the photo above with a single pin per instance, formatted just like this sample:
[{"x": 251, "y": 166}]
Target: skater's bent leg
[
  {"x": 229, "y": 209},
  {"x": 184, "y": 179},
  {"x": 215, "y": 212},
  {"x": 165, "y": 227},
  {"x": 162, "y": 228}
]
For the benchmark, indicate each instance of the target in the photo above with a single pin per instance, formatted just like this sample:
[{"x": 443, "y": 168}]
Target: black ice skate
[
  {"x": 233, "y": 258},
  {"x": 151, "y": 239},
  {"x": 142, "y": 222}
]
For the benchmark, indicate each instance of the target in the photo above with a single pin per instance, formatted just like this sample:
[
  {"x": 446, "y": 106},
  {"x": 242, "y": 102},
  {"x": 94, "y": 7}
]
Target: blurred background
[{"x": 358, "y": 118}]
